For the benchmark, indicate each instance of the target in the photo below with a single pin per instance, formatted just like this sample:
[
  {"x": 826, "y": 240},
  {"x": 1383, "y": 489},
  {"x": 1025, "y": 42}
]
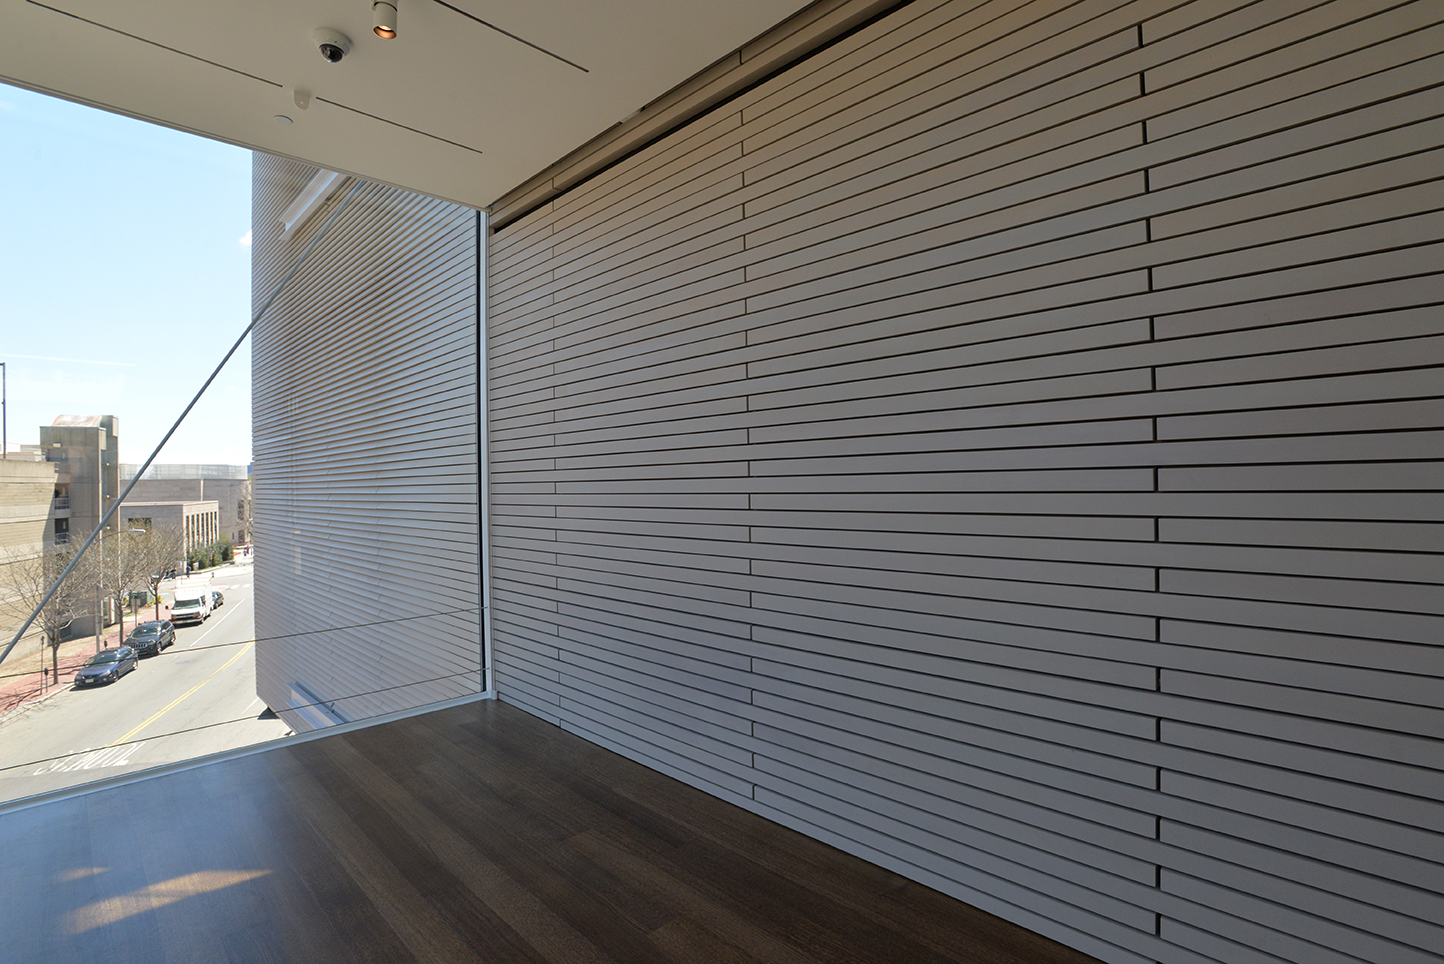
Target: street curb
[
  {"x": 106, "y": 642},
  {"x": 15, "y": 711}
]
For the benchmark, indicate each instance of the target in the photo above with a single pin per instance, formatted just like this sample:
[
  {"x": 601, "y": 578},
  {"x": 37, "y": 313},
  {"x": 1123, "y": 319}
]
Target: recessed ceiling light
[
  {"x": 283, "y": 120},
  {"x": 383, "y": 13}
]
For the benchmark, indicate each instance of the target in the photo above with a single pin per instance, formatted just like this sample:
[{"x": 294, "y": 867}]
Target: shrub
[{"x": 206, "y": 557}]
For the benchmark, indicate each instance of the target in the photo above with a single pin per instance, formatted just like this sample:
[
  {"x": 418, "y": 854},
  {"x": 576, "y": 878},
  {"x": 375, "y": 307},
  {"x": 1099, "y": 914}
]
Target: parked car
[
  {"x": 150, "y": 638},
  {"x": 218, "y": 599},
  {"x": 106, "y": 666}
]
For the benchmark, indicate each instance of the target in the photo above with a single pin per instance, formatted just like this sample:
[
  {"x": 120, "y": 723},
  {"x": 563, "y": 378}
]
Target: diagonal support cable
[{"x": 259, "y": 314}]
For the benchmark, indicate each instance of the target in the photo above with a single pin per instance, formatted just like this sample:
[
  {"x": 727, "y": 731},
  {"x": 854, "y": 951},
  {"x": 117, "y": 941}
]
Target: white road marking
[
  {"x": 203, "y": 635},
  {"x": 110, "y": 756}
]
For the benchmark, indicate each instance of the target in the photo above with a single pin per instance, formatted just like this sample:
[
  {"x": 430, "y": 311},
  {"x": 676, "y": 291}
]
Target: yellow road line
[{"x": 177, "y": 701}]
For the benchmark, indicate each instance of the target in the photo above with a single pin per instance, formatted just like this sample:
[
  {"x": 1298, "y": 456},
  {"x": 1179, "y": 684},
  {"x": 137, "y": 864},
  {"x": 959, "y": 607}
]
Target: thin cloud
[
  {"x": 245, "y": 239},
  {"x": 73, "y": 361}
]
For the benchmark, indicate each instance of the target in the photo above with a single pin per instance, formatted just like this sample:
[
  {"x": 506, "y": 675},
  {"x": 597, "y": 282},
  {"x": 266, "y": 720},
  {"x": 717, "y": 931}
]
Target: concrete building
[
  {"x": 85, "y": 450},
  {"x": 27, "y": 506},
  {"x": 229, "y": 486},
  {"x": 999, "y": 439},
  {"x": 198, "y": 520},
  {"x": 27, "y": 502}
]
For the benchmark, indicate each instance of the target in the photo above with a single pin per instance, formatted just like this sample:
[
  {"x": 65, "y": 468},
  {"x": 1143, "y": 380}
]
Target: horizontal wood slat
[{"x": 1006, "y": 444}]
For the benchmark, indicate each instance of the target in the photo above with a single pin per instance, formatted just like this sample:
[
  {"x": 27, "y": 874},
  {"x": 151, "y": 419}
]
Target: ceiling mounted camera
[{"x": 333, "y": 44}]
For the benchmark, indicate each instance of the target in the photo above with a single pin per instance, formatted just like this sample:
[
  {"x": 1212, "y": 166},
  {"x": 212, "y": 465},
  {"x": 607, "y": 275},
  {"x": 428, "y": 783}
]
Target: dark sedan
[
  {"x": 106, "y": 666},
  {"x": 151, "y": 637}
]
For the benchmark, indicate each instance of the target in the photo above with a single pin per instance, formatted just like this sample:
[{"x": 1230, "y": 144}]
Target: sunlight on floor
[
  {"x": 80, "y": 873},
  {"x": 154, "y": 897}
]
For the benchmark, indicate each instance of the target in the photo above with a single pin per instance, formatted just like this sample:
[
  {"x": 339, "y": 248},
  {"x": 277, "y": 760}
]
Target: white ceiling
[{"x": 450, "y": 108}]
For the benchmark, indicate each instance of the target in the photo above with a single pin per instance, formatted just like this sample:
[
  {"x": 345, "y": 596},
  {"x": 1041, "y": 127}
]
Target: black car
[
  {"x": 150, "y": 638},
  {"x": 106, "y": 666},
  {"x": 217, "y": 599}
]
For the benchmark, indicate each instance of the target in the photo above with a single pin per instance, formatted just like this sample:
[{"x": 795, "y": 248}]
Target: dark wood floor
[{"x": 477, "y": 833}]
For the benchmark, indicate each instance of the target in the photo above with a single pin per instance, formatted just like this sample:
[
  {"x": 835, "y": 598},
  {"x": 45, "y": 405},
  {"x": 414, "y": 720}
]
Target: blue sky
[{"x": 125, "y": 272}]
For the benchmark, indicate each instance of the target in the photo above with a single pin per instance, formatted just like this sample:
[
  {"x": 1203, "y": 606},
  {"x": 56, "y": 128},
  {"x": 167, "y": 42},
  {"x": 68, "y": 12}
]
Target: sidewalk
[{"x": 18, "y": 690}]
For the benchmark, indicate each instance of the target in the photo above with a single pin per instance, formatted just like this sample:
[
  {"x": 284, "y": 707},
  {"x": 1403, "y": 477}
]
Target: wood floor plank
[
  {"x": 699, "y": 918},
  {"x": 477, "y": 833},
  {"x": 119, "y": 926},
  {"x": 51, "y": 853},
  {"x": 525, "y": 845},
  {"x": 510, "y": 900},
  {"x": 671, "y": 814},
  {"x": 312, "y": 909},
  {"x": 479, "y": 925},
  {"x": 182, "y": 854},
  {"x": 417, "y": 921}
]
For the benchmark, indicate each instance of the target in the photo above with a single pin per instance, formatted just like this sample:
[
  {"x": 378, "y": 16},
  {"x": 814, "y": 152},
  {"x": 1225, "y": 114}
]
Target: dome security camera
[{"x": 333, "y": 44}]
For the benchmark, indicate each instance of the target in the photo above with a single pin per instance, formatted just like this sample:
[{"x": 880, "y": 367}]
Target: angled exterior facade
[{"x": 366, "y": 445}]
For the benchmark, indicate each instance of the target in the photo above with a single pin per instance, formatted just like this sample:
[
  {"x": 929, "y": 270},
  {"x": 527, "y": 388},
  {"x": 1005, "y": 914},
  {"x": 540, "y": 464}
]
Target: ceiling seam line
[
  {"x": 507, "y": 33},
  {"x": 117, "y": 30},
  {"x": 435, "y": 137}
]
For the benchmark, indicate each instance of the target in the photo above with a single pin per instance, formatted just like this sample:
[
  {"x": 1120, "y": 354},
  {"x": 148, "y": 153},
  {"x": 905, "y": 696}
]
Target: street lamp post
[
  {"x": 123, "y": 589},
  {"x": 99, "y": 585}
]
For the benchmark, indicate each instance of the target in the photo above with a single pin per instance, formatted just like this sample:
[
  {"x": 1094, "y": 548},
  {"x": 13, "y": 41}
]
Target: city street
[{"x": 196, "y": 697}]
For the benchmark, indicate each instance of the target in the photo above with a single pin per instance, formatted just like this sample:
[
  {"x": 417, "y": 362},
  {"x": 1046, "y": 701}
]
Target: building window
[{"x": 62, "y": 531}]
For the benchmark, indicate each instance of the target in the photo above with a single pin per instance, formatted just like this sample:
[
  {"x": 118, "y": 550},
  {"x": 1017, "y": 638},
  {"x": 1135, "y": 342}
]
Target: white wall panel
[
  {"x": 366, "y": 396},
  {"x": 1007, "y": 445}
]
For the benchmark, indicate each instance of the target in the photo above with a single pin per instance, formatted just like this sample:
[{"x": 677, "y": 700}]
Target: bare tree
[
  {"x": 29, "y": 576},
  {"x": 151, "y": 555},
  {"x": 117, "y": 565}
]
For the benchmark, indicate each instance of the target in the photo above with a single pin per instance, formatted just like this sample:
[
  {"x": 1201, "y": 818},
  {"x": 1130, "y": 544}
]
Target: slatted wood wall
[
  {"x": 365, "y": 401},
  {"x": 1007, "y": 445}
]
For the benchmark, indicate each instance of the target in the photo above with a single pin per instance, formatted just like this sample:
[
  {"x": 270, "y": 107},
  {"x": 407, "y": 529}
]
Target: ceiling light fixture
[{"x": 383, "y": 13}]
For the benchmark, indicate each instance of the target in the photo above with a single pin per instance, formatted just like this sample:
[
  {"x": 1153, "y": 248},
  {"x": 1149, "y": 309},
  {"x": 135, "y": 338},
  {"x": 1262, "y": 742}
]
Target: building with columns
[{"x": 228, "y": 486}]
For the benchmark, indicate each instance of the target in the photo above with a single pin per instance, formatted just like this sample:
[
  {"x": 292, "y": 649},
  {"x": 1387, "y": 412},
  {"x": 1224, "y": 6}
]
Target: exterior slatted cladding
[
  {"x": 1007, "y": 445},
  {"x": 365, "y": 401}
]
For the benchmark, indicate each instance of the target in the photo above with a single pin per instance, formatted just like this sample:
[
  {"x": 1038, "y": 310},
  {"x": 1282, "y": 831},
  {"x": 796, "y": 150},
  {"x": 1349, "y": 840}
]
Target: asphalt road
[{"x": 197, "y": 697}]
